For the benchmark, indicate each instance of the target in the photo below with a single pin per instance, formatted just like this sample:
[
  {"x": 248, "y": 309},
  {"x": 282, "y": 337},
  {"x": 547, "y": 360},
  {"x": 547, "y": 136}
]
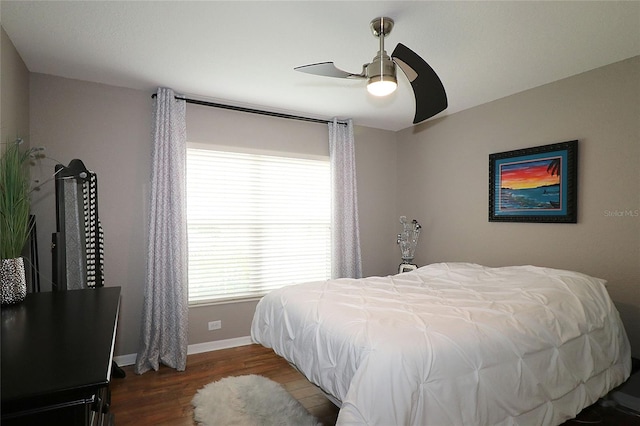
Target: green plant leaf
[{"x": 14, "y": 200}]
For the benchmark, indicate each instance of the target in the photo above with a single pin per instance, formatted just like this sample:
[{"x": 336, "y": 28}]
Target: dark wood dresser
[{"x": 57, "y": 351}]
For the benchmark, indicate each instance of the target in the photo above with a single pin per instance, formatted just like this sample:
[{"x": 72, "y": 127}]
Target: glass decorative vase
[{"x": 408, "y": 239}]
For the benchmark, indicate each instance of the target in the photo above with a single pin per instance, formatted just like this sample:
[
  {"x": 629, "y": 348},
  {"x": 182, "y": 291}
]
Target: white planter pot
[{"x": 13, "y": 284}]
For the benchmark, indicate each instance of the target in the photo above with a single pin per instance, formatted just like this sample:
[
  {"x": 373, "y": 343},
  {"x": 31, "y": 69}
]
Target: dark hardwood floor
[{"x": 163, "y": 397}]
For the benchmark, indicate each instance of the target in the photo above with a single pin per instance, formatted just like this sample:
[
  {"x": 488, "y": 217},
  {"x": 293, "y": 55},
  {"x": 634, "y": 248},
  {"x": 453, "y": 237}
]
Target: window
[{"x": 255, "y": 223}]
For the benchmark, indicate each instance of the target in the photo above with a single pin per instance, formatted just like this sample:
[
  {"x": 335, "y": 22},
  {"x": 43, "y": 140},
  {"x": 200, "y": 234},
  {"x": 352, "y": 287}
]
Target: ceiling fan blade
[
  {"x": 428, "y": 90},
  {"x": 326, "y": 69}
]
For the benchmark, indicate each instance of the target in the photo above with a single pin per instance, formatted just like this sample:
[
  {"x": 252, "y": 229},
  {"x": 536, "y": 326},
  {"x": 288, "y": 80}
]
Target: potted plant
[{"x": 14, "y": 221}]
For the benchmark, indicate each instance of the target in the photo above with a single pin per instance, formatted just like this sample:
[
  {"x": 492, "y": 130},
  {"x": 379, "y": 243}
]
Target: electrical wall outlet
[{"x": 215, "y": 325}]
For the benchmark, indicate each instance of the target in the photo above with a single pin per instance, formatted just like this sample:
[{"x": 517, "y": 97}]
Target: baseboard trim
[
  {"x": 196, "y": 348},
  {"x": 219, "y": 344},
  {"x": 122, "y": 360}
]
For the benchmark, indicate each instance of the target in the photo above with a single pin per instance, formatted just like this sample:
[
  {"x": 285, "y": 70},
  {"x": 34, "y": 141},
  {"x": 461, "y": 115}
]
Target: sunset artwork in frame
[{"x": 534, "y": 184}]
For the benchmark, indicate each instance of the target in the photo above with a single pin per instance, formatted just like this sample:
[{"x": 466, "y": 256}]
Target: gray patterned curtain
[
  {"x": 165, "y": 309},
  {"x": 345, "y": 237}
]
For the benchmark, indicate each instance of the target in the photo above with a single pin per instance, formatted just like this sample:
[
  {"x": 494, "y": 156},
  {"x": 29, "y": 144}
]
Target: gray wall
[
  {"x": 445, "y": 181},
  {"x": 109, "y": 128},
  {"x": 14, "y": 93}
]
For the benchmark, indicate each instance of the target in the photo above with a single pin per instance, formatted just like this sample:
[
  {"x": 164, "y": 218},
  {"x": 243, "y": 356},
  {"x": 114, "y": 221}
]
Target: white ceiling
[{"x": 243, "y": 53}]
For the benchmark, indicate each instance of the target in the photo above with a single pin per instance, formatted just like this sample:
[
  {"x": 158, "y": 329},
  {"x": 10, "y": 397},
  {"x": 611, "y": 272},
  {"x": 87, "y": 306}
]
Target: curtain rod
[{"x": 254, "y": 111}]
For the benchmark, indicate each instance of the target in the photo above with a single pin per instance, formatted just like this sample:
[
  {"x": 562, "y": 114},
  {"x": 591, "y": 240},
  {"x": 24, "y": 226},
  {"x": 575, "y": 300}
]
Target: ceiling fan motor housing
[{"x": 381, "y": 67}]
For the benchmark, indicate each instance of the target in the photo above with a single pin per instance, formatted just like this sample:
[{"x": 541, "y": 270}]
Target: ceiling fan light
[
  {"x": 382, "y": 86},
  {"x": 381, "y": 73}
]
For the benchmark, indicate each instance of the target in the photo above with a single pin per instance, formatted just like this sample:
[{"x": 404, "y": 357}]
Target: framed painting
[{"x": 534, "y": 184}]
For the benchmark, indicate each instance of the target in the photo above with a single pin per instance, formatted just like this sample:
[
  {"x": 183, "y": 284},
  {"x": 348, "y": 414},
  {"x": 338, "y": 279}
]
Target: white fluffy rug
[{"x": 248, "y": 401}]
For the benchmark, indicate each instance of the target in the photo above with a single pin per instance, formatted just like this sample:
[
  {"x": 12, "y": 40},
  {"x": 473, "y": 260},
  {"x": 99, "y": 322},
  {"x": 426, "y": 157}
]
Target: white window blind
[{"x": 255, "y": 223}]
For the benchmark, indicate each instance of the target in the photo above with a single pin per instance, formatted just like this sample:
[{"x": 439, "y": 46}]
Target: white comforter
[{"x": 452, "y": 344}]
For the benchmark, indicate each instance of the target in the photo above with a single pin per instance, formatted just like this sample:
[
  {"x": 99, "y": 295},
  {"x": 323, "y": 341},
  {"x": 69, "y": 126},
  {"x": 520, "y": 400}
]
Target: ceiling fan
[{"x": 428, "y": 90}]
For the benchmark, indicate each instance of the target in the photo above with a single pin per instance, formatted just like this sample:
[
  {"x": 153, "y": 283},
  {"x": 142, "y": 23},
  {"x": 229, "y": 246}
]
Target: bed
[{"x": 452, "y": 344}]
